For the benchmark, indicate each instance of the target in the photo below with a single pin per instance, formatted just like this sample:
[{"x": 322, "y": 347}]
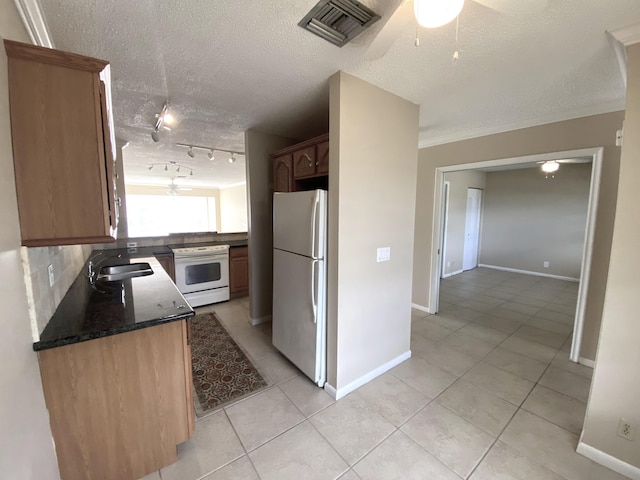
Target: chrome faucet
[{"x": 90, "y": 267}]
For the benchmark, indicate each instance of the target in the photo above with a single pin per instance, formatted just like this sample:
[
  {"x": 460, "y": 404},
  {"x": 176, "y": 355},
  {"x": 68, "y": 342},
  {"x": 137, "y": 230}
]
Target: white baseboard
[
  {"x": 447, "y": 275},
  {"x": 527, "y": 272},
  {"x": 586, "y": 362},
  {"x": 337, "y": 394},
  {"x": 606, "y": 460},
  {"x": 420, "y": 307},
  {"x": 259, "y": 320}
]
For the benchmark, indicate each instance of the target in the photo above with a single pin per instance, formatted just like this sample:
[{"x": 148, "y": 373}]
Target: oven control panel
[{"x": 208, "y": 249}]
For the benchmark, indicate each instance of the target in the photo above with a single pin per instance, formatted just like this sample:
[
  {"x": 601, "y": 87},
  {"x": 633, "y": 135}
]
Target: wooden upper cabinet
[
  {"x": 304, "y": 162},
  {"x": 304, "y": 166},
  {"x": 322, "y": 158},
  {"x": 63, "y": 146},
  {"x": 283, "y": 174}
]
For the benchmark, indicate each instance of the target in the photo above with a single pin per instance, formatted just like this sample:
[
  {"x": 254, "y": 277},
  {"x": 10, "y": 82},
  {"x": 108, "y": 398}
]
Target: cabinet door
[
  {"x": 282, "y": 174},
  {"x": 304, "y": 162},
  {"x": 322, "y": 160},
  {"x": 238, "y": 271}
]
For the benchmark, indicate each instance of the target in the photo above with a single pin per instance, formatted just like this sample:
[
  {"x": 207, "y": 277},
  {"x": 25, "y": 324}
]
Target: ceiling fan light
[
  {"x": 550, "y": 166},
  {"x": 436, "y": 13}
]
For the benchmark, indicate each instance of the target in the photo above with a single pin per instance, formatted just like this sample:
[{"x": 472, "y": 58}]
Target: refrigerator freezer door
[
  {"x": 299, "y": 222},
  {"x": 299, "y": 313}
]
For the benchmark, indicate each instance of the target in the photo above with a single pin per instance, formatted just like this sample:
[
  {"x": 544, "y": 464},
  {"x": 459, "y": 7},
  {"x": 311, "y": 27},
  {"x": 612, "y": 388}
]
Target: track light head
[
  {"x": 166, "y": 167},
  {"x": 232, "y": 158},
  {"x": 190, "y": 152},
  {"x": 155, "y": 136},
  {"x": 149, "y": 167},
  {"x": 210, "y": 155}
]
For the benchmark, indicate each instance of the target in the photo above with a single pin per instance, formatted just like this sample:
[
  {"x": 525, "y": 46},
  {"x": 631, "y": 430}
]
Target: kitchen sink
[{"x": 114, "y": 273}]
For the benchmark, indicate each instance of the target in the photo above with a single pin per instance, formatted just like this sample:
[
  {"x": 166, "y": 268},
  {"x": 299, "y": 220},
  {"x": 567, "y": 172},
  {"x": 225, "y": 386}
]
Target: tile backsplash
[{"x": 43, "y": 298}]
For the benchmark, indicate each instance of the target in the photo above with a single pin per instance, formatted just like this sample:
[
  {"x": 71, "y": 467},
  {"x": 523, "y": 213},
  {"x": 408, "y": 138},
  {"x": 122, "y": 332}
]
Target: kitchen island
[{"x": 115, "y": 362}]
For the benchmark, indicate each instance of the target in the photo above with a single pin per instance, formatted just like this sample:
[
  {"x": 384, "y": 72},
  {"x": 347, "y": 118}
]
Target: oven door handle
[{"x": 208, "y": 258}]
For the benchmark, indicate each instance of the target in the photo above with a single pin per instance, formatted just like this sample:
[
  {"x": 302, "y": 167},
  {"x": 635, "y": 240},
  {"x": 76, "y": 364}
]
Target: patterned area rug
[{"x": 222, "y": 373}]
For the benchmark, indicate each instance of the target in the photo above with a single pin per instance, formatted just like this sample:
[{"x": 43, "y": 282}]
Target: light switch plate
[{"x": 383, "y": 254}]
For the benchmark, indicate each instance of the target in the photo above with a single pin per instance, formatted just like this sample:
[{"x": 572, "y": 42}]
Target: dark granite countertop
[{"x": 108, "y": 308}]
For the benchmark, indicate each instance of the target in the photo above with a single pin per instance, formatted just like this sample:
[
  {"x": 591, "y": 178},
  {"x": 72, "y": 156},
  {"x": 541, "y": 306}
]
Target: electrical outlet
[
  {"x": 448, "y": 264},
  {"x": 132, "y": 244},
  {"x": 546, "y": 264},
  {"x": 625, "y": 429},
  {"x": 51, "y": 279}
]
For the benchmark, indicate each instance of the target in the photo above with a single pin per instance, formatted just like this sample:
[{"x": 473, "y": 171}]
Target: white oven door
[{"x": 194, "y": 274}]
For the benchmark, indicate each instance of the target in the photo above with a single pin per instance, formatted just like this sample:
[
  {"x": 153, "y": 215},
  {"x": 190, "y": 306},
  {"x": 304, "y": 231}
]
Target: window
[{"x": 157, "y": 215}]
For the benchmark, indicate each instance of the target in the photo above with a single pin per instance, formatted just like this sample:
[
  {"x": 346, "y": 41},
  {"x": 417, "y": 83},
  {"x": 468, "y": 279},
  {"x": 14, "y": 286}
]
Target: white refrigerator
[{"x": 300, "y": 280}]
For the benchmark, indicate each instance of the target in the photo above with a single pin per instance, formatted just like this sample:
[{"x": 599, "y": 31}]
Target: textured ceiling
[{"x": 229, "y": 65}]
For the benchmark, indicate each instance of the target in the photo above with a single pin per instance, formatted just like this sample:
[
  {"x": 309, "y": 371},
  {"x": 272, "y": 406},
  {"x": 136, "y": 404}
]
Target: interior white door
[
  {"x": 472, "y": 229},
  {"x": 296, "y": 322}
]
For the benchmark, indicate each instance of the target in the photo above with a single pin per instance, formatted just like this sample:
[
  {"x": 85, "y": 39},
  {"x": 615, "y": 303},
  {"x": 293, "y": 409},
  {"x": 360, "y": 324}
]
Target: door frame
[
  {"x": 446, "y": 190},
  {"x": 587, "y": 249}
]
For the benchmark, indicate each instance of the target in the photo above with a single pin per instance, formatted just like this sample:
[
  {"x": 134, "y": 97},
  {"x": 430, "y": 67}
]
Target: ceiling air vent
[{"x": 338, "y": 21}]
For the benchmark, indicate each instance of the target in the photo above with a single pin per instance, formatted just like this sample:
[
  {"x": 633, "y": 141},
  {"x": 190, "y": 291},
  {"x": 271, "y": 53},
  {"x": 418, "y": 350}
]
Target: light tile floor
[{"x": 489, "y": 394}]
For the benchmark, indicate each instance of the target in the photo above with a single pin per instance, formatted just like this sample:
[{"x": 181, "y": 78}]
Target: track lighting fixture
[
  {"x": 210, "y": 151},
  {"x": 172, "y": 166}
]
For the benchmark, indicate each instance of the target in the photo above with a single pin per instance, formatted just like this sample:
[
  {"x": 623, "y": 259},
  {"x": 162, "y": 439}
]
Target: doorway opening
[{"x": 595, "y": 154}]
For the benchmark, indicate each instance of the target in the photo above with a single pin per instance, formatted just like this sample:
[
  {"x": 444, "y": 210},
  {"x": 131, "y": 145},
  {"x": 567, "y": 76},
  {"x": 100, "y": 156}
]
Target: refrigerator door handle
[
  {"x": 314, "y": 300},
  {"x": 316, "y": 202}
]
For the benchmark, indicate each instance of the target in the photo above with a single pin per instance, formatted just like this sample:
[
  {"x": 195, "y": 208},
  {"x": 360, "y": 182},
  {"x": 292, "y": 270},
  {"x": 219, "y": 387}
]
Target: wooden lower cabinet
[
  {"x": 168, "y": 263},
  {"x": 238, "y": 271},
  {"x": 120, "y": 405}
]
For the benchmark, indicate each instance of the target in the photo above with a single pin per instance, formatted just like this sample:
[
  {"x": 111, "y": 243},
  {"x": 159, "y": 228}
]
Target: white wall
[
  {"x": 529, "y": 219},
  {"x": 372, "y": 175},
  {"x": 258, "y": 147},
  {"x": 459, "y": 182},
  {"x": 615, "y": 388},
  {"x": 26, "y": 445},
  {"x": 233, "y": 209}
]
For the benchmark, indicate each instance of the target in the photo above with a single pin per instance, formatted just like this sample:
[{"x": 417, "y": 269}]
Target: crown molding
[
  {"x": 31, "y": 13},
  {"x": 628, "y": 35},
  {"x": 607, "y": 107}
]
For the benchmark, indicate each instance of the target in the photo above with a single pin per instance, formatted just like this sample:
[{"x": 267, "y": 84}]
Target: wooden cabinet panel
[
  {"x": 283, "y": 174},
  {"x": 238, "y": 271},
  {"x": 304, "y": 162},
  {"x": 168, "y": 263},
  {"x": 322, "y": 158},
  {"x": 119, "y": 405},
  {"x": 62, "y": 150}
]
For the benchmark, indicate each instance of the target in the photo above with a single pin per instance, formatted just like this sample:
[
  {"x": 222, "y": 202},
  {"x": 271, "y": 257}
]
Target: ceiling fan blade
[
  {"x": 521, "y": 8},
  {"x": 398, "y": 22}
]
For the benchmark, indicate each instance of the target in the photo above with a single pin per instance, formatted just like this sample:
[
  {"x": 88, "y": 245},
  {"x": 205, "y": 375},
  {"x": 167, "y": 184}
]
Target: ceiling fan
[
  {"x": 552, "y": 166},
  {"x": 436, "y": 13},
  {"x": 174, "y": 188}
]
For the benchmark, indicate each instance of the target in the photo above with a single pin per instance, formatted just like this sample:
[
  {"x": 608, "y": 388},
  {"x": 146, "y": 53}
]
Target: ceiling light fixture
[
  {"x": 550, "y": 166},
  {"x": 210, "y": 151},
  {"x": 162, "y": 118},
  {"x": 173, "y": 166},
  {"x": 436, "y": 13}
]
